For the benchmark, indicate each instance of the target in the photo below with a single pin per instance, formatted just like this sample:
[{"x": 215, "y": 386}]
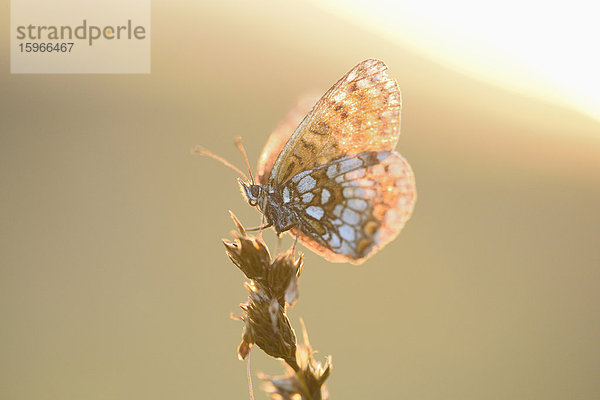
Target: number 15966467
[{"x": 46, "y": 47}]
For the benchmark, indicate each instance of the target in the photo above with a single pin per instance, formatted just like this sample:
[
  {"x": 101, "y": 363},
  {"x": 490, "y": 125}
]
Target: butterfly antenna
[
  {"x": 240, "y": 146},
  {"x": 204, "y": 152}
]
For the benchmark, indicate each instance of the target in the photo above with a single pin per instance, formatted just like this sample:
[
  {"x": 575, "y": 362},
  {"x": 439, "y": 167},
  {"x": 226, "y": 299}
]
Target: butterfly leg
[
  {"x": 259, "y": 228},
  {"x": 296, "y": 240},
  {"x": 279, "y": 241}
]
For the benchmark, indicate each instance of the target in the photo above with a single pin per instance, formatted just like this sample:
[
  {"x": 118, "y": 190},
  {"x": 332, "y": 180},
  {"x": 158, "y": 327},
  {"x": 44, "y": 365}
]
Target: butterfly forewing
[
  {"x": 280, "y": 136},
  {"x": 361, "y": 112}
]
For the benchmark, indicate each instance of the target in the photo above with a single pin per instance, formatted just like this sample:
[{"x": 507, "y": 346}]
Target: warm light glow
[{"x": 548, "y": 50}]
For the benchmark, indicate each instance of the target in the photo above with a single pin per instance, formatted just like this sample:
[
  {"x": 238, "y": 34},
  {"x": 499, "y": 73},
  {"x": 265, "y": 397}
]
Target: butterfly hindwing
[{"x": 351, "y": 207}]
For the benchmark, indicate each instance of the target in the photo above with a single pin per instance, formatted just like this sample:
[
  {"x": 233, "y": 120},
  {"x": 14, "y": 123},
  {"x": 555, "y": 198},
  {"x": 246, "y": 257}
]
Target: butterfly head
[{"x": 253, "y": 193}]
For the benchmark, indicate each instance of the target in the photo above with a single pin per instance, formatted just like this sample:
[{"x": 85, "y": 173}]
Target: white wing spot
[
  {"x": 345, "y": 249},
  {"x": 346, "y": 232},
  {"x": 359, "y": 182},
  {"x": 286, "y": 195},
  {"x": 306, "y": 184},
  {"x": 337, "y": 210},
  {"x": 357, "y": 204},
  {"x": 349, "y": 165},
  {"x": 315, "y": 212},
  {"x": 332, "y": 171},
  {"x": 356, "y": 174},
  {"x": 300, "y": 175},
  {"x": 307, "y": 197},
  {"x": 363, "y": 193},
  {"x": 350, "y": 217},
  {"x": 334, "y": 241},
  {"x": 325, "y": 196}
]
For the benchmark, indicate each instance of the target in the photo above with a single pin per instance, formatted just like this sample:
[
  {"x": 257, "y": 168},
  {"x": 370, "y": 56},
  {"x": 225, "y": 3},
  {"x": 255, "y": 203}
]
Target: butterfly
[{"x": 335, "y": 182}]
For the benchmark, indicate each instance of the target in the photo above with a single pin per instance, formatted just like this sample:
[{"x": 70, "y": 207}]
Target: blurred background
[{"x": 113, "y": 280}]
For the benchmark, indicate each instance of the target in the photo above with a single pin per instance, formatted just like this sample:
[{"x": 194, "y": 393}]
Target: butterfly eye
[
  {"x": 255, "y": 190},
  {"x": 253, "y": 193}
]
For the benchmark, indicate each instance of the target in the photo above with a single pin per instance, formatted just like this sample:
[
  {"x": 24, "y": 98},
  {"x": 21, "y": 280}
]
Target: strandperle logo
[
  {"x": 85, "y": 31},
  {"x": 80, "y": 37}
]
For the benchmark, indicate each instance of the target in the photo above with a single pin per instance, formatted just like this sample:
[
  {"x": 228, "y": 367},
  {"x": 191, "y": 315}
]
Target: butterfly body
[
  {"x": 335, "y": 181},
  {"x": 278, "y": 211}
]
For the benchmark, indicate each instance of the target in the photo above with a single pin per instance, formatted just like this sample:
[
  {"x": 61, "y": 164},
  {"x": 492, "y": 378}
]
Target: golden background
[{"x": 114, "y": 283}]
